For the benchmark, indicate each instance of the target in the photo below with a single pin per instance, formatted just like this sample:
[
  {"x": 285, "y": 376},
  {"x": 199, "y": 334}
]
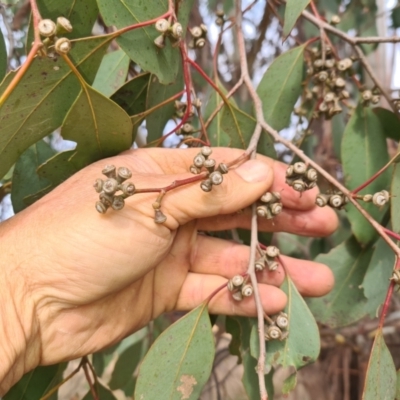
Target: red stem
[
  {"x": 141, "y": 24},
  {"x": 174, "y": 184},
  {"x": 394, "y": 235},
  {"x": 371, "y": 179},
  {"x": 389, "y": 294}
]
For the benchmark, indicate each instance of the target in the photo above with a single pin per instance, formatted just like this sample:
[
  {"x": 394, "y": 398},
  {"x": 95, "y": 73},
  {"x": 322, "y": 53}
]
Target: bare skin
[{"x": 76, "y": 281}]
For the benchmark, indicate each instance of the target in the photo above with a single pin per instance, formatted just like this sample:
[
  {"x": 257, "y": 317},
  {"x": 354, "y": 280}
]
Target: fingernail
[{"x": 253, "y": 171}]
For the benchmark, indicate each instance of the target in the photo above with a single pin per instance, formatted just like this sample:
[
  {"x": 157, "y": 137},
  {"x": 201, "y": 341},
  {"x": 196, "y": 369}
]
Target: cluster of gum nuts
[
  {"x": 198, "y": 39},
  {"x": 239, "y": 287},
  {"x": 50, "y": 30},
  {"x": 300, "y": 178},
  {"x": 268, "y": 259},
  {"x": 114, "y": 190},
  {"x": 202, "y": 162},
  {"x": 270, "y": 206},
  {"x": 277, "y": 328},
  {"x": 174, "y": 32}
]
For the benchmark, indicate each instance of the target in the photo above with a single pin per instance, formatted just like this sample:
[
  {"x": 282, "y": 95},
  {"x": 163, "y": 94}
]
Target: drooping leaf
[
  {"x": 99, "y": 127},
  {"x": 25, "y": 180},
  {"x": 290, "y": 383},
  {"x": 345, "y": 304},
  {"x": 103, "y": 393},
  {"x": 280, "y": 87},
  {"x": 132, "y": 96},
  {"x": 376, "y": 280},
  {"x": 56, "y": 169},
  {"x": 126, "y": 365},
  {"x": 302, "y": 345},
  {"x": 240, "y": 328},
  {"x": 179, "y": 363},
  {"x": 293, "y": 10},
  {"x": 38, "y": 105},
  {"x": 395, "y": 200},
  {"x": 158, "y": 93},
  {"x": 3, "y": 57},
  {"x": 381, "y": 379},
  {"x": 239, "y": 127},
  {"x": 398, "y": 386},
  {"x": 112, "y": 72},
  {"x": 139, "y": 43},
  {"x": 364, "y": 152},
  {"x": 36, "y": 383},
  {"x": 216, "y": 135},
  {"x": 389, "y": 121}
]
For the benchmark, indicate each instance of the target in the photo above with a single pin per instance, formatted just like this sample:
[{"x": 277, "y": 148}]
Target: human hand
[{"x": 82, "y": 281}]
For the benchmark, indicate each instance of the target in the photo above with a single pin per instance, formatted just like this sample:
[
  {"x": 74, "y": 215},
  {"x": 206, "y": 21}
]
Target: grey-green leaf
[
  {"x": 99, "y": 127},
  {"x": 293, "y": 10},
  {"x": 390, "y": 122},
  {"x": 139, "y": 43},
  {"x": 280, "y": 87},
  {"x": 26, "y": 181},
  {"x": 112, "y": 72},
  {"x": 126, "y": 365},
  {"x": 3, "y": 57},
  {"x": 132, "y": 96},
  {"x": 364, "y": 152},
  {"x": 38, "y": 105},
  {"x": 302, "y": 345},
  {"x": 381, "y": 378},
  {"x": 239, "y": 127},
  {"x": 179, "y": 363},
  {"x": 345, "y": 304},
  {"x": 156, "y": 94},
  {"x": 376, "y": 280},
  {"x": 103, "y": 393},
  {"x": 395, "y": 200},
  {"x": 36, "y": 383}
]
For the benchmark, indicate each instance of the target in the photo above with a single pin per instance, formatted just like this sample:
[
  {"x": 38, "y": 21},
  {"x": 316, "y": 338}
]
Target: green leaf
[
  {"x": 103, "y": 393},
  {"x": 112, "y": 72},
  {"x": 36, "y": 383},
  {"x": 158, "y": 93},
  {"x": 395, "y": 200},
  {"x": 280, "y": 87},
  {"x": 25, "y": 180},
  {"x": 376, "y": 280},
  {"x": 99, "y": 127},
  {"x": 380, "y": 381},
  {"x": 302, "y": 345},
  {"x": 139, "y": 43},
  {"x": 39, "y": 103},
  {"x": 132, "y": 96},
  {"x": 180, "y": 361},
  {"x": 289, "y": 383},
  {"x": 345, "y": 304},
  {"x": 126, "y": 365},
  {"x": 398, "y": 386},
  {"x": 239, "y": 127},
  {"x": 3, "y": 57},
  {"x": 389, "y": 121},
  {"x": 293, "y": 10},
  {"x": 364, "y": 152},
  {"x": 81, "y": 13}
]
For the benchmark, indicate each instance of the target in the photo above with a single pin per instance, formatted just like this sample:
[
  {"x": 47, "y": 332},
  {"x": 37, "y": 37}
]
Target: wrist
[{"x": 19, "y": 332}]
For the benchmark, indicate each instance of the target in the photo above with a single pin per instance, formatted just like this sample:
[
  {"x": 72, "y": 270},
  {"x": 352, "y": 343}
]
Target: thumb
[{"x": 240, "y": 188}]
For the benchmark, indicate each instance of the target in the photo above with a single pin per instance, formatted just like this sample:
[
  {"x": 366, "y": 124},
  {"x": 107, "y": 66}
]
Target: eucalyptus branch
[{"x": 254, "y": 231}]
